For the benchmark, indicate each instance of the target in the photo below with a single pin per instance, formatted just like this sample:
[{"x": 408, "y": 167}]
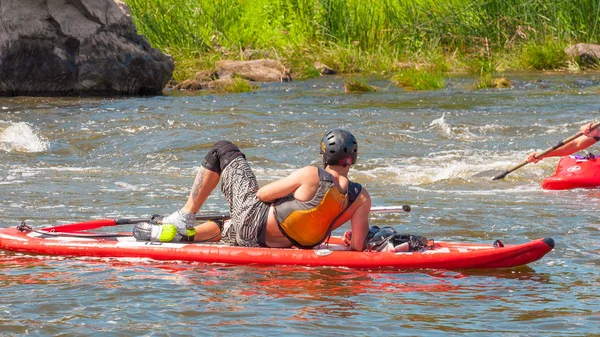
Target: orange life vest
[{"x": 308, "y": 223}]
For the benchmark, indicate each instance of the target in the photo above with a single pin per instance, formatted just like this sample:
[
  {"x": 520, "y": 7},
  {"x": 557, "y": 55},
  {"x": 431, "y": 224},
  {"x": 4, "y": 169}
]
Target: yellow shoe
[{"x": 146, "y": 231}]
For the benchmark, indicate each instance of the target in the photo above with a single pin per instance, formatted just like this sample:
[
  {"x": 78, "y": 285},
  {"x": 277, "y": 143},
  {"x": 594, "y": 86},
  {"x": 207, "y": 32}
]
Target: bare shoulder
[
  {"x": 362, "y": 204},
  {"x": 307, "y": 174},
  {"x": 306, "y": 171},
  {"x": 364, "y": 197}
]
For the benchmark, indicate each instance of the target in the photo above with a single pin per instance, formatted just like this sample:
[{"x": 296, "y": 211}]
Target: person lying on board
[
  {"x": 589, "y": 138},
  {"x": 299, "y": 210}
]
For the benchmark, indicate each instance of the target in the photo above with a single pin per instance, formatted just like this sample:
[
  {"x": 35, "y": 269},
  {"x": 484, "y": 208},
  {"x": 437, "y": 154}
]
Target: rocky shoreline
[{"x": 92, "y": 48}]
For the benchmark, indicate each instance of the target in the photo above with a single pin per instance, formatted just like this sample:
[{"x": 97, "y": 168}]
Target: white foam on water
[
  {"x": 136, "y": 129},
  {"x": 52, "y": 206},
  {"x": 463, "y": 133},
  {"x": 130, "y": 187},
  {"x": 21, "y": 137},
  {"x": 450, "y": 165},
  {"x": 12, "y": 182},
  {"x": 442, "y": 125},
  {"x": 515, "y": 190},
  {"x": 92, "y": 169}
]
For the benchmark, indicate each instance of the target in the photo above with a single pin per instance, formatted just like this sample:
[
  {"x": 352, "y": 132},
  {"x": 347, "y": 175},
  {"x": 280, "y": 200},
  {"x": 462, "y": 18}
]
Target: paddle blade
[
  {"x": 501, "y": 175},
  {"x": 487, "y": 174},
  {"x": 81, "y": 226}
]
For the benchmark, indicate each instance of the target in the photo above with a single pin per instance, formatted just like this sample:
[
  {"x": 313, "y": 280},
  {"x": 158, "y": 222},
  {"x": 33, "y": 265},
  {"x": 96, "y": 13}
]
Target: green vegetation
[
  {"x": 488, "y": 81},
  {"x": 238, "y": 85},
  {"x": 358, "y": 85},
  {"x": 422, "y": 76},
  {"x": 413, "y": 79},
  {"x": 545, "y": 55},
  {"x": 483, "y": 37}
]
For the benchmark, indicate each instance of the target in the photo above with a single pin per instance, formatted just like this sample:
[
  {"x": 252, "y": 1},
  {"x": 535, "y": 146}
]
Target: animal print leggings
[{"x": 248, "y": 213}]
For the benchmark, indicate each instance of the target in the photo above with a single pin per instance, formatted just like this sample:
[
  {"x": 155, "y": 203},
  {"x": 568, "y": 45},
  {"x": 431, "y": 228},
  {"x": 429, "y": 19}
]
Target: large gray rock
[
  {"x": 263, "y": 70},
  {"x": 586, "y": 52},
  {"x": 76, "y": 47}
]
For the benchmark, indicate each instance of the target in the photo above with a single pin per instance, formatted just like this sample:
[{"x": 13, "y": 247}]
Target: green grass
[
  {"x": 413, "y": 79},
  {"x": 239, "y": 85},
  {"x": 358, "y": 85},
  {"x": 546, "y": 55},
  {"x": 489, "y": 81},
  {"x": 363, "y": 36}
]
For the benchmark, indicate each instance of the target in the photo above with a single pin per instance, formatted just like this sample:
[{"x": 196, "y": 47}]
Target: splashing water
[
  {"x": 441, "y": 124},
  {"x": 20, "y": 137}
]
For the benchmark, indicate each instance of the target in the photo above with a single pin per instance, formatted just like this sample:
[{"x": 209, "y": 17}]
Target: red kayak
[
  {"x": 574, "y": 172},
  {"x": 442, "y": 255}
]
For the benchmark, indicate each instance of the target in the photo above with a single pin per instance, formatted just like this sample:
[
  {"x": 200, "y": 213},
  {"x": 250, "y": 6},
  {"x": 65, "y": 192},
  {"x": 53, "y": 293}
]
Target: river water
[{"x": 75, "y": 159}]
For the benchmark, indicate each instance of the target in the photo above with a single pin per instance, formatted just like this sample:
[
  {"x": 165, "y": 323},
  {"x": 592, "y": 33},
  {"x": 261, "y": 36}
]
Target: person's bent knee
[{"x": 220, "y": 155}]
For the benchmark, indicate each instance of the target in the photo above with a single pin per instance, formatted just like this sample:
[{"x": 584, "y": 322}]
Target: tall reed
[{"x": 376, "y": 34}]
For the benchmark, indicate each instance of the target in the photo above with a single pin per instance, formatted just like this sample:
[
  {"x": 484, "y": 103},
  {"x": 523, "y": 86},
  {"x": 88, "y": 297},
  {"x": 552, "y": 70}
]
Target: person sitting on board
[
  {"x": 589, "y": 138},
  {"x": 299, "y": 210}
]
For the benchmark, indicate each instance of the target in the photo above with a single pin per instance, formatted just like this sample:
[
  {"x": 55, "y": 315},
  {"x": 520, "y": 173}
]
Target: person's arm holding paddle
[
  {"x": 587, "y": 136},
  {"x": 590, "y": 137}
]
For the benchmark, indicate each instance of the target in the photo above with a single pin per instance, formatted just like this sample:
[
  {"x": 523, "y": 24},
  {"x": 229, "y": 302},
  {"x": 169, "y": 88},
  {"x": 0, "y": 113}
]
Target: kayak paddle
[
  {"x": 503, "y": 174},
  {"x": 390, "y": 209},
  {"x": 94, "y": 224}
]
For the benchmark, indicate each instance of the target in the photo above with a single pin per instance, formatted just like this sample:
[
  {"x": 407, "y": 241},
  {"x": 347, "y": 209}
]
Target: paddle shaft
[
  {"x": 546, "y": 151},
  {"x": 94, "y": 224},
  {"x": 390, "y": 209}
]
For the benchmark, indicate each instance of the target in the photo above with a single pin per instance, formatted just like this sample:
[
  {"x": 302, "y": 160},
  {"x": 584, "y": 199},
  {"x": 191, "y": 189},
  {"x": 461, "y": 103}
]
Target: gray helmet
[{"x": 339, "y": 147}]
